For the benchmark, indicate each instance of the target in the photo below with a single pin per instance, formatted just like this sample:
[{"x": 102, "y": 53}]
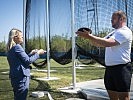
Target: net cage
[
  {"x": 93, "y": 14},
  {"x": 96, "y": 15},
  {"x": 35, "y": 28}
]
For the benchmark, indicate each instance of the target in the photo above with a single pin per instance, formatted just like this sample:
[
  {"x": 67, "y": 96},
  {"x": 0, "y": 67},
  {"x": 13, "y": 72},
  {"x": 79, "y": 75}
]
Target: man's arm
[{"x": 98, "y": 41}]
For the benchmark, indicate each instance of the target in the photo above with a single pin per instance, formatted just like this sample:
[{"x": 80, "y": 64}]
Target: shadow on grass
[
  {"x": 42, "y": 85},
  {"x": 4, "y": 74},
  {"x": 56, "y": 95},
  {"x": 3, "y": 70}
]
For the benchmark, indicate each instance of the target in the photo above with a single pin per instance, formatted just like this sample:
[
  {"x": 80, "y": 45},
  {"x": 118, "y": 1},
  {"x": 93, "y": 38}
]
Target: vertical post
[
  {"x": 48, "y": 48},
  {"x": 126, "y": 8},
  {"x": 24, "y": 7},
  {"x": 73, "y": 45}
]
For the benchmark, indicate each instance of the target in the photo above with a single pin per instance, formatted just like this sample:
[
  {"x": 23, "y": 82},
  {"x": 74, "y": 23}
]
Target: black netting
[
  {"x": 100, "y": 58},
  {"x": 60, "y": 37},
  {"x": 40, "y": 64},
  {"x": 64, "y": 58},
  {"x": 87, "y": 13},
  {"x": 35, "y": 32}
]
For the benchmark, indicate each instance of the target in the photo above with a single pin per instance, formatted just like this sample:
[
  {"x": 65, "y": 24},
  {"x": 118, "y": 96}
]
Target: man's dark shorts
[{"x": 118, "y": 77}]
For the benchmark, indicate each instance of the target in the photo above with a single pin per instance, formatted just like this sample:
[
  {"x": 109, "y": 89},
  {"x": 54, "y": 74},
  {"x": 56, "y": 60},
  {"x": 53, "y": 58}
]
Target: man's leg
[
  {"x": 118, "y": 95},
  {"x": 112, "y": 95},
  {"x": 123, "y": 95},
  {"x": 118, "y": 79}
]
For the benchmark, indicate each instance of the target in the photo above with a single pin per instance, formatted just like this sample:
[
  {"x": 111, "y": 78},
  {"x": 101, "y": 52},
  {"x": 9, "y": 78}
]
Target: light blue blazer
[{"x": 19, "y": 61}]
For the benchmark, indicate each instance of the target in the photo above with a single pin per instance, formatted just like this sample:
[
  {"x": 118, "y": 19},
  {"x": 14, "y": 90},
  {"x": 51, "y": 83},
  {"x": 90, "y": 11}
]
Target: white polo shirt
[{"x": 119, "y": 54}]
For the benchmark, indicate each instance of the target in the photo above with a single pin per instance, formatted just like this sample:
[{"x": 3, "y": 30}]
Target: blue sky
[{"x": 11, "y": 16}]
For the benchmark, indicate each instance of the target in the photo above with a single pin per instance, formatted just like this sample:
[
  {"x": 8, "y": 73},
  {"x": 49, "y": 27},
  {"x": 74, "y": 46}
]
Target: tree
[{"x": 2, "y": 46}]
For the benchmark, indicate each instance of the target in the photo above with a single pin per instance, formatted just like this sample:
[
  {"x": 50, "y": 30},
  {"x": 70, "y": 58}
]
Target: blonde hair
[{"x": 14, "y": 32}]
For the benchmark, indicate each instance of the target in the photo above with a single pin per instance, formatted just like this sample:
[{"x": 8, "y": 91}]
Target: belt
[{"x": 113, "y": 66}]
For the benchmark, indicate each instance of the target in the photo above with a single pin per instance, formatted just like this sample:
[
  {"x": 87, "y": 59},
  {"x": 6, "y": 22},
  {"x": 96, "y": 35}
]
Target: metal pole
[
  {"x": 24, "y": 7},
  {"x": 48, "y": 48},
  {"x": 126, "y": 8},
  {"x": 73, "y": 45}
]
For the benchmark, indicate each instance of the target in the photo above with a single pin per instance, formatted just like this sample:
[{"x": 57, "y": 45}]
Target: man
[{"x": 118, "y": 73}]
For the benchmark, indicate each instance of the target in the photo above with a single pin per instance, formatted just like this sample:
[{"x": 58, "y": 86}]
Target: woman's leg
[{"x": 20, "y": 88}]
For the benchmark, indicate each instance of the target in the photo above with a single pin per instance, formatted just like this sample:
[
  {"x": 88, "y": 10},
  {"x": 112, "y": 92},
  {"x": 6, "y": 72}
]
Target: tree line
[{"x": 57, "y": 43}]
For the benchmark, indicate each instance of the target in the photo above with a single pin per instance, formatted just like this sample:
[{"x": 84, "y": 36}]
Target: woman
[{"x": 19, "y": 63}]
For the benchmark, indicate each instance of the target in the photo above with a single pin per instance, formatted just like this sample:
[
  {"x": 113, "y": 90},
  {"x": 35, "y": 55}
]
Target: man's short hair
[{"x": 120, "y": 14}]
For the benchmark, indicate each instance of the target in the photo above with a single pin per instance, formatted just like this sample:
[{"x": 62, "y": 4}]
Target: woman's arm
[{"x": 23, "y": 56}]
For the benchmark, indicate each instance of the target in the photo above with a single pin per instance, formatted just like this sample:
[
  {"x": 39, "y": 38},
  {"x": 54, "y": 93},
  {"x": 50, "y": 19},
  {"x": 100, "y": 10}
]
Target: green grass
[{"x": 64, "y": 72}]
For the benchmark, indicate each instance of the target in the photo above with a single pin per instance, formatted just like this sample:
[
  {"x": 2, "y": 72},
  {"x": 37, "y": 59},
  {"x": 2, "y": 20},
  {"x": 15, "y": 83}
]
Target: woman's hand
[{"x": 34, "y": 51}]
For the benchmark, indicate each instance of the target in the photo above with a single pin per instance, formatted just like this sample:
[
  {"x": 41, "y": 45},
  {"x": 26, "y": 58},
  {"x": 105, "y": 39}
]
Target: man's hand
[
  {"x": 41, "y": 51},
  {"x": 84, "y": 32}
]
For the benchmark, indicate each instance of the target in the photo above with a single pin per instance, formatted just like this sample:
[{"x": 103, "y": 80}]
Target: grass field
[{"x": 64, "y": 72}]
